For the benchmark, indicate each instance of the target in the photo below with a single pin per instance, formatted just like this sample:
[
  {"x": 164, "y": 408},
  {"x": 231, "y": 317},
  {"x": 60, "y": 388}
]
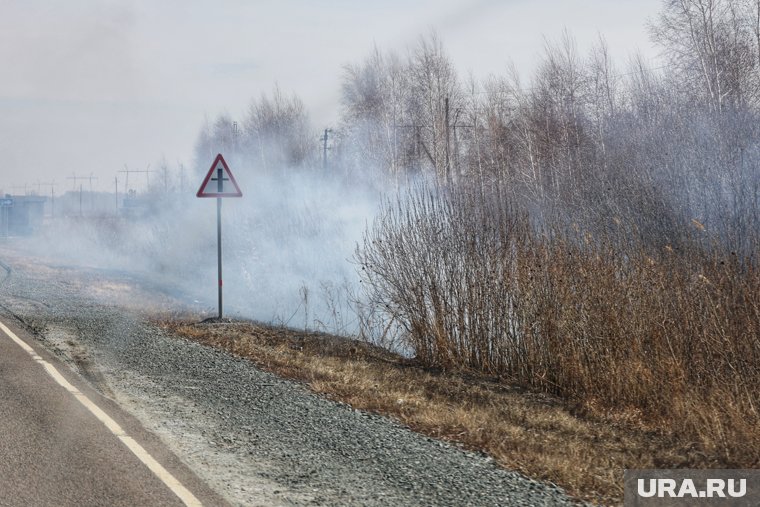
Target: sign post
[{"x": 219, "y": 183}]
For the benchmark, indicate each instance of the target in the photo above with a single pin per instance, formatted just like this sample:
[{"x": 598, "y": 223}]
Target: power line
[
  {"x": 52, "y": 195},
  {"x": 77, "y": 178},
  {"x": 129, "y": 171}
]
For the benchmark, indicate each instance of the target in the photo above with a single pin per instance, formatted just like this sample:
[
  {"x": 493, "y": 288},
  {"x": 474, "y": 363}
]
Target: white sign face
[{"x": 219, "y": 182}]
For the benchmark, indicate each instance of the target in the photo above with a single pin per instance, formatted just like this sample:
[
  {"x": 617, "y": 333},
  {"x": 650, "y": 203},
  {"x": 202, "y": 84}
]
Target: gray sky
[{"x": 89, "y": 86}]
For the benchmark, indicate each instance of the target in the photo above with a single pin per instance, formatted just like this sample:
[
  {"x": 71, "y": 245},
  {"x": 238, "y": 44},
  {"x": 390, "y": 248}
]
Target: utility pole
[
  {"x": 324, "y": 148},
  {"x": 421, "y": 146},
  {"x": 52, "y": 195},
  {"x": 131, "y": 171},
  {"x": 126, "y": 187},
  {"x": 76, "y": 178},
  {"x": 452, "y": 126},
  {"x": 92, "y": 198}
]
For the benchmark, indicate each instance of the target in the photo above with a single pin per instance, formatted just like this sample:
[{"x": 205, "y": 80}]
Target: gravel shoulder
[{"x": 255, "y": 438}]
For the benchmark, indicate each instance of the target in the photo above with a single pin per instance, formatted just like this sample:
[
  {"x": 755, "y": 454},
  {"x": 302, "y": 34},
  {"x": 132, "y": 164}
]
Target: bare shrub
[{"x": 669, "y": 333}]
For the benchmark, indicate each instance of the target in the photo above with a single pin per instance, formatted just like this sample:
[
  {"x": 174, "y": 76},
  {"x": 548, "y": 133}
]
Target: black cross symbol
[{"x": 220, "y": 179}]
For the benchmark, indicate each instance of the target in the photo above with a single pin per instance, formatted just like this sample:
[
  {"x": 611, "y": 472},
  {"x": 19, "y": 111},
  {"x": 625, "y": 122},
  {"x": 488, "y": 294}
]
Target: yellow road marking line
[{"x": 154, "y": 466}]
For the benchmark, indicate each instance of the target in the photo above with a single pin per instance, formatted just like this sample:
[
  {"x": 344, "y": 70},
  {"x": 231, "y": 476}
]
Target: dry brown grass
[
  {"x": 534, "y": 433},
  {"x": 673, "y": 336},
  {"x": 613, "y": 319}
]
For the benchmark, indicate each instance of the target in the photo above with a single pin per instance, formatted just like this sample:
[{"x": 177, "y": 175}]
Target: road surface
[
  {"x": 254, "y": 438},
  {"x": 63, "y": 444}
]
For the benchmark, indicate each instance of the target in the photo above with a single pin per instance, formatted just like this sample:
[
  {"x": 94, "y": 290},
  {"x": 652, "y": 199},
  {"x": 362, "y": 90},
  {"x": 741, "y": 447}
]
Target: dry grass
[
  {"x": 534, "y": 433},
  {"x": 613, "y": 320}
]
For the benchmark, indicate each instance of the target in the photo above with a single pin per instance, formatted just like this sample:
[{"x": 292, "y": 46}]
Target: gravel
[{"x": 255, "y": 438}]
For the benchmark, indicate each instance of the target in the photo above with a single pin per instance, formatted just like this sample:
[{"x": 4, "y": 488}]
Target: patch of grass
[{"x": 534, "y": 433}]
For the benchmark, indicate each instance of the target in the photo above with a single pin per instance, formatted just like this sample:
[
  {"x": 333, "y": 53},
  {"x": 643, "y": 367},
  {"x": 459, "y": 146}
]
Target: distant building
[
  {"x": 21, "y": 215},
  {"x": 133, "y": 206}
]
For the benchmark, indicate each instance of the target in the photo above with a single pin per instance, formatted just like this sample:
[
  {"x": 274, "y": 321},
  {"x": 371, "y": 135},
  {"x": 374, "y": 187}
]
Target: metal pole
[
  {"x": 324, "y": 151},
  {"x": 219, "y": 247}
]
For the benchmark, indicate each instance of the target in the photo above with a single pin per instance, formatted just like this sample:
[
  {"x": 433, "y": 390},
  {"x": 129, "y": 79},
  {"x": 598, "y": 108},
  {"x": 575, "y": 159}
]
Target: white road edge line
[{"x": 154, "y": 466}]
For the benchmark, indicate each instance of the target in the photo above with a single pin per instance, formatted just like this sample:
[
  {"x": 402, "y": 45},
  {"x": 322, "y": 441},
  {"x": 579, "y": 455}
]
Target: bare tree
[
  {"x": 277, "y": 132},
  {"x": 435, "y": 92},
  {"x": 373, "y": 96},
  {"x": 713, "y": 44}
]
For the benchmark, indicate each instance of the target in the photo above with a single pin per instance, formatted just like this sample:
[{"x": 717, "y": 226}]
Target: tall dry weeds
[{"x": 670, "y": 335}]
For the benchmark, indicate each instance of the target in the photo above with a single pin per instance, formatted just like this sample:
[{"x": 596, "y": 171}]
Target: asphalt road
[
  {"x": 255, "y": 439},
  {"x": 56, "y": 449}
]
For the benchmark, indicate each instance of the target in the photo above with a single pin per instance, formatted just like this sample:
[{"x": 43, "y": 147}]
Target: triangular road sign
[{"x": 219, "y": 182}]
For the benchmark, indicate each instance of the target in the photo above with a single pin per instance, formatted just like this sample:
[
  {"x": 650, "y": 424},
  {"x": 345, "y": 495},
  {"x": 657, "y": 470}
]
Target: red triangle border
[{"x": 200, "y": 193}]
